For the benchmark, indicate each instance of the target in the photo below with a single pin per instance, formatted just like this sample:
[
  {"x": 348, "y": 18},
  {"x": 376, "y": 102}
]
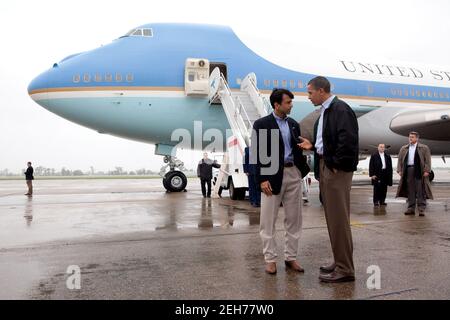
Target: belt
[
  {"x": 409, "y": 166},
  {"x": 288, "y": 164}
]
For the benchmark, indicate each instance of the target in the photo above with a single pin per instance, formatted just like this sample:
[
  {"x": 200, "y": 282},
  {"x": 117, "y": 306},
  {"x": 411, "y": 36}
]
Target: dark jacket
[
  {"x": 249, "y": 168},
  {"x": 376, "y": 168},
  {"x": 204, "y": 168},
  {"x": 264, "y": 148},
  {"x": 340, "y": 137},
  {"x": 29, "y": 173}
]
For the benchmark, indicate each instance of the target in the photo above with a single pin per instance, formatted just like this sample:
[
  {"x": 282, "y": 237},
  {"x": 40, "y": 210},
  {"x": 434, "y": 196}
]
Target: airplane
[{"x": 156, "y": 79}]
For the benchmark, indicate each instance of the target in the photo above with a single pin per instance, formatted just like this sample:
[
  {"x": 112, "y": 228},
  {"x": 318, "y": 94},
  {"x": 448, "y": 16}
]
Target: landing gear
[{"x": 174, "y": 180}]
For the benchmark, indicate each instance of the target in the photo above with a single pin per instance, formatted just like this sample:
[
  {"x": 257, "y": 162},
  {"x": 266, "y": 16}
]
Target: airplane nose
[{"x": 38, "y": 87}]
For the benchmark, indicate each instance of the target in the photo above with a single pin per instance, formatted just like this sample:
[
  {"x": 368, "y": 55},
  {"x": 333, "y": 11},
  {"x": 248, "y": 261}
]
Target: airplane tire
[
  {"x": 431, "y": 177},
  {"x": 175, "y": 181},
  {"x": 236, "y": 193}
]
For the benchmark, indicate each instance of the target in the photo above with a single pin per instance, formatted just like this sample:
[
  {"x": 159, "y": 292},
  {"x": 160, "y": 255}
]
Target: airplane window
[
  {"x": 138, "y": 32},
  {"x": 98, "y": 78},
  {"x": 300, "y": 84},
  {"x": 292, "y": 84},
  {"x": 118, "y": 77},
  {"x": 267, "y": 83},
  {"x": 86, "y": 78},
  {"x": 447, "y": 96},
  {"x": 275, "y": 83},
  {"x": 108, "y": 77},
  {"x": 148, "y": 33},
  {"x": 441, "y": 95},
  {"x": 284, "y": 83},
  {"x": 130, "y": 77},
  {"x": 412, "y": 92},
  {"x": 129, "y": 33},
  {"x": 76, "y": 78}
]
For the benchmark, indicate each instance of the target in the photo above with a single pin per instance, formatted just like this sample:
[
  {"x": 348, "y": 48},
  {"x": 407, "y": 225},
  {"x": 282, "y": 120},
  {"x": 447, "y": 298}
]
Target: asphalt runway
[{"x": 131, "y": 240}]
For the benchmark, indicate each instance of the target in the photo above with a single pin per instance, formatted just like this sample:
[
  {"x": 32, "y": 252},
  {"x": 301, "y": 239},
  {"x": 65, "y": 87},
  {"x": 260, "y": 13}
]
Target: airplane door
[{"x": 222, "y": 67}]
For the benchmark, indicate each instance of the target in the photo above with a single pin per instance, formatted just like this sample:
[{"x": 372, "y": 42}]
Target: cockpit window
[{"x": 139, "y": 32}]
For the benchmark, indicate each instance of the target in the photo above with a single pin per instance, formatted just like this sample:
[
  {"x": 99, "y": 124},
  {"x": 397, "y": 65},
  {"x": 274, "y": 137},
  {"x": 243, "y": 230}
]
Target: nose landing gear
[{"x": 173, "y": 180}]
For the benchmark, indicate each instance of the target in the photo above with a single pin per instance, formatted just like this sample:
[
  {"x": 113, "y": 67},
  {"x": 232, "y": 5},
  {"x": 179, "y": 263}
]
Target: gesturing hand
[{"x": 306, "y": 144}]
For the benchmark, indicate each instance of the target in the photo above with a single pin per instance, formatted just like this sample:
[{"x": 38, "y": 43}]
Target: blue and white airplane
[{"x": 140, "y": 87}]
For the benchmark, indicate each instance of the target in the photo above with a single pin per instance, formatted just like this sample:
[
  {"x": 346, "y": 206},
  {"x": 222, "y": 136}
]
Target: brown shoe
[
  {"x": 271, "y": 268},
  {"x": 294, "y": 266},
  {"x": 421, "y": 213},
  {"x": 328, "y": 269},
  {"x": 335, "y": 277}
]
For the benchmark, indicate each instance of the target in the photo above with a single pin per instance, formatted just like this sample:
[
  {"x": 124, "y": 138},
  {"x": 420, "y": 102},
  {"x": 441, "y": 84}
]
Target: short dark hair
[
  {"x": 320, "y": 83},
  {"x": 414, "y": 133},
  {"x": 277, "y": 96},
  {"x": 28, "y": 162}
]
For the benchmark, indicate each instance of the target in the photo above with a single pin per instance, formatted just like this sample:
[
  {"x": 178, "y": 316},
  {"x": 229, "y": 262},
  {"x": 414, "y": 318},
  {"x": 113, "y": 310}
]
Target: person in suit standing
[
  {"x": 380, "y": 172},
  {"x": 250, "y": 171},
  {"x": 204, "y": 172},
  {"x": 337, "y": 148},
  {"x": 29, "y": 178},
  {"x": 414, "y": 167},
  {"x": 280, "y": 167}
]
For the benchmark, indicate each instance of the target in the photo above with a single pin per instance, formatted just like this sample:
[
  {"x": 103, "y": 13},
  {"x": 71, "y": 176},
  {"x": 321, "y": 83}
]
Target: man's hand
[
  {"x": 306, "y": 144},
  {"x": 426, "y": 174},
  {"x": 373, "y": 177},
  {"x": 266, "y": 188},
  {"x": 334, "y": 170}
]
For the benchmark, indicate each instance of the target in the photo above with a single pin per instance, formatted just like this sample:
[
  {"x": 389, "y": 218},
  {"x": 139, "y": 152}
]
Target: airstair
[{"x": 242, "y": 108}]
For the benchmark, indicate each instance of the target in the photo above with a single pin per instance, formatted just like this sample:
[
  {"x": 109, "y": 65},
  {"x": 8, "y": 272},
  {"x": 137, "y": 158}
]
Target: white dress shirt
[
  {"x": 383, "y": 160},
  {"x": 411, "y": 153},
  {"x": 319, "y": 139}
]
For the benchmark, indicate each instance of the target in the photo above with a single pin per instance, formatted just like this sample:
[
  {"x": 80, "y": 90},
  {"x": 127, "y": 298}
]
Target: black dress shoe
[
  {"x": 335, "y": 277},
  {"x": 410, "y": 212},
  {"x": 327, "y": 269},
  {"x": 384, "y": 204}
]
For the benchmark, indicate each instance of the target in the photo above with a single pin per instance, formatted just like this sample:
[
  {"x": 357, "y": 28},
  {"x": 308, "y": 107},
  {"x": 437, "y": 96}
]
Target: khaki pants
[
  {"x": 30, "y": 186},
  {"x": 415, "y": 191},
  {"x": 335, "y": 190},
  {"x": 290, "y": 196}
]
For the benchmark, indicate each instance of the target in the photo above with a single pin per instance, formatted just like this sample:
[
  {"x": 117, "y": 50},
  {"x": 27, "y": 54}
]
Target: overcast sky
[{"x": 35, "y": 34}]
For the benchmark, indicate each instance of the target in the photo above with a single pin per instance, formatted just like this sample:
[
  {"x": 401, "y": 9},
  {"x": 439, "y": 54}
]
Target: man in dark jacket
[
  {"x": 280, "y": 166},
  {"x": 337, "y": 149},
  {"x": 204, "y": 172},
  {"x": 29, "y": 178},
  {"x": 380, "y": 172},
  {"x": 250, "y": 171}
]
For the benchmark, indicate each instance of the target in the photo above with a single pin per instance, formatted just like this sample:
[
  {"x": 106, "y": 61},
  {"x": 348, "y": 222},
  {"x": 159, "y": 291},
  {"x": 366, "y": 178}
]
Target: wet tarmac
[{"x": 132, "y": 240}]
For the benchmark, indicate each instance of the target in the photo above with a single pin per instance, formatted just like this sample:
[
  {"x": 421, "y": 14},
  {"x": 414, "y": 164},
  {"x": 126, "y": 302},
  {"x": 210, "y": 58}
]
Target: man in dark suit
[
  {"x": 380, "y": 172},
  {"x": 337, "y": 149},
  {"x": 250, "y": 171},
  {"x": 29, "y": 178},
  {"x": 280, "y": 166},
  {"x": 204, "y": 172}
]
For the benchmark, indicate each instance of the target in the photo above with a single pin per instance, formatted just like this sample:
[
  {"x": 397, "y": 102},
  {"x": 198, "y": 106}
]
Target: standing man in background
[
  {"x": 204, "y": 172},
  {"x": 337, "y": 148},
  {"x": 380, "y": 172},
  {"x": 250, "y": 171},
  {"x": 29, "y": 178},
  {"x": 414, "y": 167}
]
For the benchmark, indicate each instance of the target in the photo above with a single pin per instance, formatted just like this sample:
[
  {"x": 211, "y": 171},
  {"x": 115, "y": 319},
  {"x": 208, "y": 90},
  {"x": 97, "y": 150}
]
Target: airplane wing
[{"x": 431, "y": 124}]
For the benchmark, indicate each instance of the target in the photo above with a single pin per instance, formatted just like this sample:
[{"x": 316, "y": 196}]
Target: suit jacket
[
  {"x": 376, "y": 167},
  {"x": 340, "y": 137},
  {"x": 204, "y": 168},
  {"x": 29, "y": 174},
  {"x": 261, "y": 146}
]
